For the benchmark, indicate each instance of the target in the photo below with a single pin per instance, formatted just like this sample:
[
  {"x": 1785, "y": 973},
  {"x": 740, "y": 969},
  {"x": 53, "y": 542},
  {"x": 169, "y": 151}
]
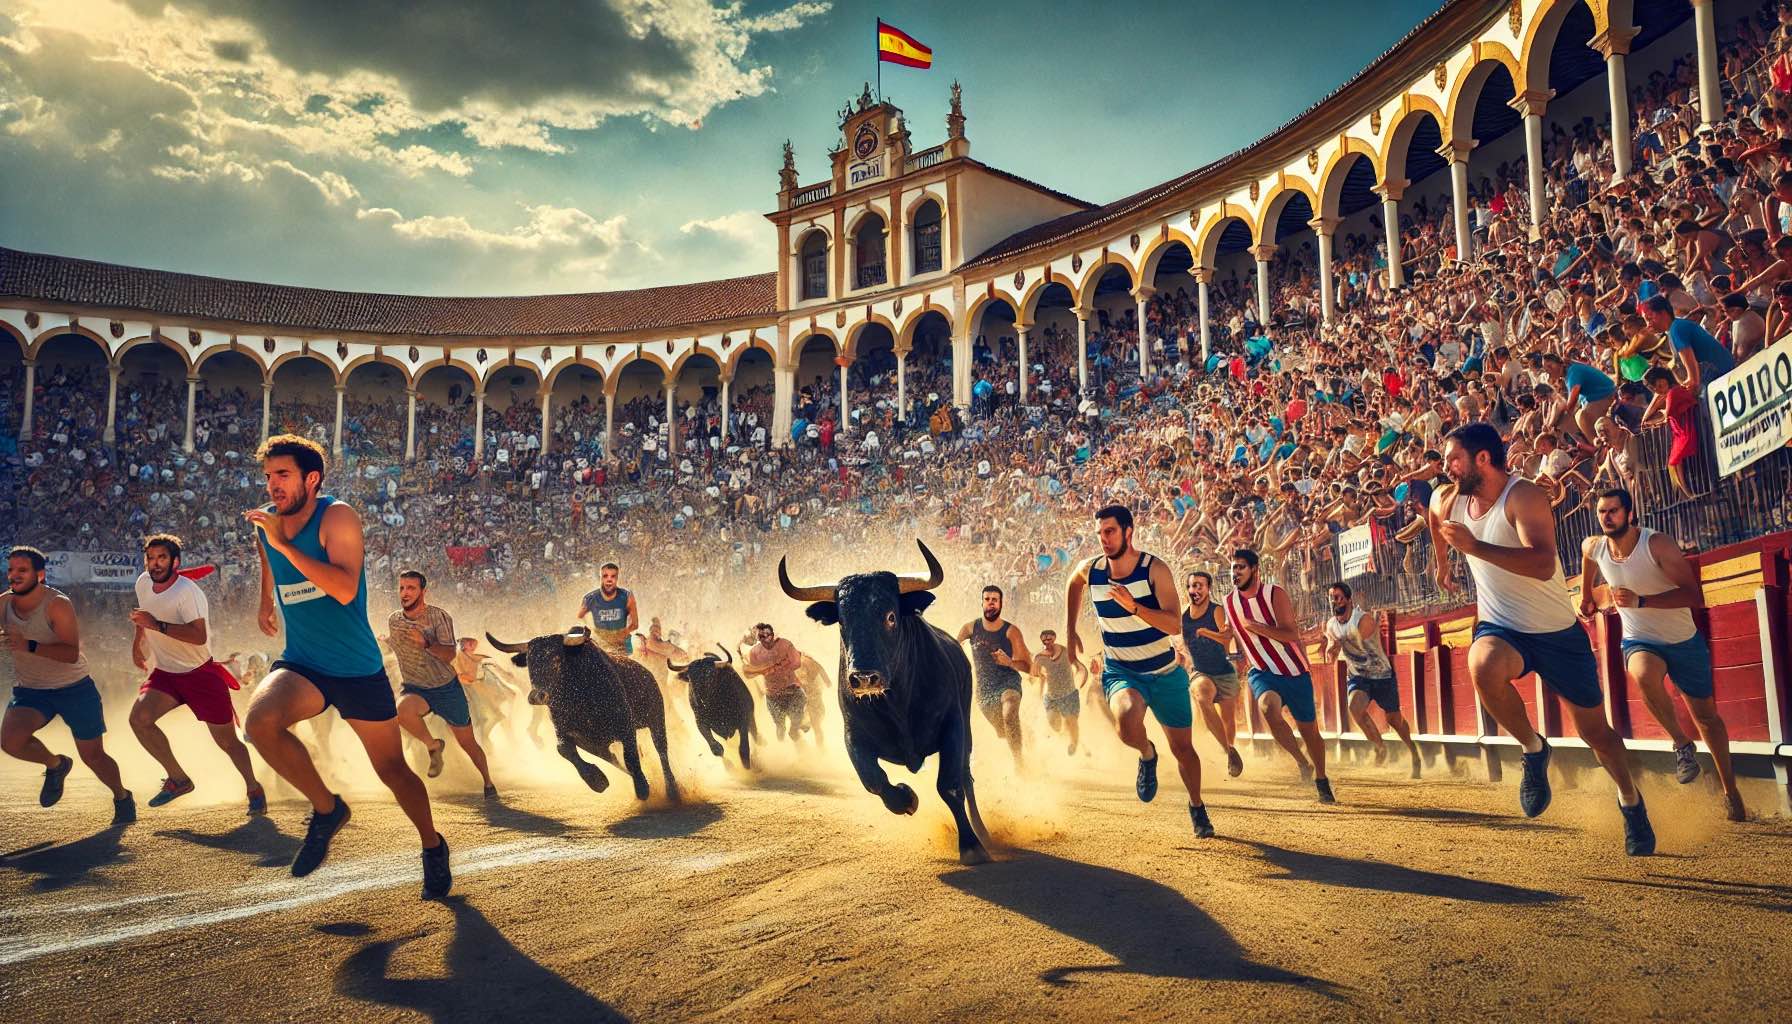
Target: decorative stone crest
[
  {"x": 1312, "y": 161},
  {"x": 31, "y": 320},
  {"x": 547, "y": 355},
  {"x": 117, "y": 329},
  {"x": 1076, "y": 263},
  {"x": 1375, "y": 121},
  {"x": 609, "y": 352},
  {"x": 1135, "y": 242},
  {"x": 896, "y": 309},
  {"x": 1020, "y": 279},
  {"x": 1256, "y": 190},
  {"x": 1515, "y": 16},
  {"x": 840, "y": 318},
  {"x": 1440, "y": 75},
  {"x": 342, "y": 350},
  {"x": 414, "y": 355},
  {"x": 192, "y": 338},
  {"x": 479, "y": 357},
  {"x": 267, "y": 345}
]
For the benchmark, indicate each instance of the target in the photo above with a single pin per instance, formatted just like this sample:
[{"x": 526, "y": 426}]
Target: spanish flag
[{"x": 898, "y": 47}]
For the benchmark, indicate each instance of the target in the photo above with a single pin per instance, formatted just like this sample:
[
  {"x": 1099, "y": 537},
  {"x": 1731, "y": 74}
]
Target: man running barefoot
[
  {"x": 312, "y": 572},
  {"x": 999, "y": 656},
  {"x": 422, "y": 638},
  {"x": 775, "y": 661},
  {"x": 1350, "y": 632},
  {"x": 171, "y": 634},
  {"x": 1204, "y": 639},
  {"x": 1057, "y": 672},
  {"x": 1506, "y": 529},
  {"x": 1263, "y": 616},
  {"x": 1133, "y": 595},
  {"x": 38, "y": 625},
  {"x": 1654, "y": 588}
]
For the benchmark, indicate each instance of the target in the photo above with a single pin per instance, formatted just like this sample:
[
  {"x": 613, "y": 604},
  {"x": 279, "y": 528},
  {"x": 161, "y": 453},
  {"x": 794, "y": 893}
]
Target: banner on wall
[
  {"x": 1749, "y": 408},
  {"x": 98, "y": 568},
  {"x": 1355, "y": 546}
]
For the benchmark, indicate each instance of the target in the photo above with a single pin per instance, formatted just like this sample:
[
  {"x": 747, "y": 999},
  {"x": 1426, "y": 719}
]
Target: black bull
[
  {"x": 594, "y": 701},
  {"x": 905, "y": 690}
]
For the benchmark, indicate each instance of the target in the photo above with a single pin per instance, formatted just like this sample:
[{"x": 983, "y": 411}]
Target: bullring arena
[{"x": 1540, "y": 243}]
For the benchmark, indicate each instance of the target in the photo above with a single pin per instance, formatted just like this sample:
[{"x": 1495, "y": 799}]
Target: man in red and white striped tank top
[{"x": 1262, "y": 615}]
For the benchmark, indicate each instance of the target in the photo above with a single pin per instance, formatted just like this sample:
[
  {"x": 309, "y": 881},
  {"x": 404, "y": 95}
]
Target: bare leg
[
  {"x": 1271, "y": 706},
  {"x": 225, "y": 737},
  {"x": 1129, "y": 716},
  {"x": 1188, "y": 763},
  {"x": 284, "y": 699},
  {"x": 1011, "y": 722},
  {"x": 1071, "y": 725},
  {"x": 93, "y": 755},
  {"x": 150, "y": 706},
  {"x": 1207, "y": 699},
  {"x": 1309, "y": 731},
  {"x": 1492, "y": 665},
  {"x": 1647, "y": 672},
  {"x": 1717, "y": 738},
  {"x": 1592, "y": 727},
  {"x": 386, "y": 752},
  {"x": 1359, "y": 712},
  {"x": 1229, "y": 714},
  {"x": 411, "y": 709},
  {"x": 463, "y": 734},
  {"x": 1404, "y": 731},
  {"x": 18, "y": 737}
]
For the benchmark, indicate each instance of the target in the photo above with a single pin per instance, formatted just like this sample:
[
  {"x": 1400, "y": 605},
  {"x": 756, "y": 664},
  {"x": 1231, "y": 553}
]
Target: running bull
[
  {"x": 905, "y": 690},
  {"x": 720, "y": 702},
  {"x": 594, "y": 701}
]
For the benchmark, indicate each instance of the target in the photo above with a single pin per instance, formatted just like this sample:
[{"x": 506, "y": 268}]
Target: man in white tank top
[
  {"x": 1350, "y": 634},
  {"x": 1654, "y": 589},
  {"x": 38, "y": 627},
  {"x": 1506, "y": 531}
]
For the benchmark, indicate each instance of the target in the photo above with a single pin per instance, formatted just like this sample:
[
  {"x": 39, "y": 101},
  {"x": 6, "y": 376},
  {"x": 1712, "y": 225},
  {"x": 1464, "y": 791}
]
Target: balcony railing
[
  {"x": 813, "y": 194},
  {"x": 925, "y": 159}
]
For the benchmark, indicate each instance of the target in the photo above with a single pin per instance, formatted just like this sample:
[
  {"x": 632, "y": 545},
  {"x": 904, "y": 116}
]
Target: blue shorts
[
  {"x": 448, "y": 701},
  {"x": 1296, "y": 692},
  {"x": 1070, "y": 704},
  {"x": 1563, "y": 659},
  {"x": 1385, "y": 692},
  {"x": 1166, "y": 694},
  {"x": 77, "y": 703},
  {"x": 1689, "y": 663}
]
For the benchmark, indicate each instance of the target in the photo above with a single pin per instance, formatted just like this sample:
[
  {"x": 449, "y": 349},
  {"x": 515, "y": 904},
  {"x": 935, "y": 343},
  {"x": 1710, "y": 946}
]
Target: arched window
[
  {"x": 869, "y": 270},
  {"x": 813, "y": 259},
  {"x": 927, "y": 238}
]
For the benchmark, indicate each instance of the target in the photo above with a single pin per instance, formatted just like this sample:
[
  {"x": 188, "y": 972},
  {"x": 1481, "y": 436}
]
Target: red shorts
[{"x": 206, "y": 690}]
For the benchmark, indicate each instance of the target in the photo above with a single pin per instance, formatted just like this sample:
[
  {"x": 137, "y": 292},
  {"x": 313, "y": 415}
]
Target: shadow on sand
[
  {"x": 1150, "y": 928},
  {"x": 1433, "y": 815},
  {"x": 1754, "y": 895},
  {"x": 487, "y": 978},
  {"x": 258, "y": 837},
  {"x": 675, "y": 822},
  {"x": 791, "y": 784},
  {"x": 499, "y": 814},
  {"x": 1352, "y": 873},
  {"x": 58, "y": 867}
]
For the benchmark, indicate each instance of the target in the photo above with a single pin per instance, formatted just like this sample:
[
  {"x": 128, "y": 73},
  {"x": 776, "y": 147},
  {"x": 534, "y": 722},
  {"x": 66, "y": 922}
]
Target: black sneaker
[
  {"x": 1639, "y": 835},
  {"x": 437, "y": 879},
  {"x": 491, "y": 792},
  {"x": 124, "y": 809},
  {"x": 1147, "y": 781},
  {"x": 1324, "y": 786},
  {"x": 53, "y": 778},
  {"x": 319, "y": 830},
  {"x": 1533, "y": 789},
  {"x": 1203, "y": 827}
]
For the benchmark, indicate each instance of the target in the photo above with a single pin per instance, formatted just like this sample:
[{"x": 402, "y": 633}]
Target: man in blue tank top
[
  {"x": 1133, "y": 596},
  {"x": 312, "y": 576},
  {"x": 614, "y": 617}
]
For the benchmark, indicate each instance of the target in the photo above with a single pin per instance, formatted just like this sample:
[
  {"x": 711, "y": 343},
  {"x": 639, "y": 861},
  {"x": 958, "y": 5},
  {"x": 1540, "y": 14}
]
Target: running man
[
  {"x": 1262, "y": 615},
  {"x": 1133, "y": 595},
  {"x": 1371, "y": 673},
  {"x": 422, "y": 639},
  {"x": 1654, "y": 588},
  {"x": 774, "y": 661},
  {"x": 488, "y": 697},
  {"x": 40, "y": 628},
  {"x": 1504, "y": 527},
  {"x": 313, "y": 577},
  {"x": 614, "y": 617},
  {"x": 1057, "y": 674},
  {"x": 1204, "y": 639},
  {"x": 172, "y": 636},
  {"x": 999, "y": 655}
]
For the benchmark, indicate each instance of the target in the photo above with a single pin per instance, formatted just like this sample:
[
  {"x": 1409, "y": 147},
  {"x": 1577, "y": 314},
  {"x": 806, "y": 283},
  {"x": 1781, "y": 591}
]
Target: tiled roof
[{"x": 62, "y": 279}]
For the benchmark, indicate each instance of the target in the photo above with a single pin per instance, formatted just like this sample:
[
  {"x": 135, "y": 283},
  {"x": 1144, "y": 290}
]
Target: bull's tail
[{"x": 970, "y": 788}]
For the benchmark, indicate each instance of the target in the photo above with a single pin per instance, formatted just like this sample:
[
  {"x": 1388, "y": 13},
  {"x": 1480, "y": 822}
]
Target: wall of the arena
[{"x": 992, "y": 208}]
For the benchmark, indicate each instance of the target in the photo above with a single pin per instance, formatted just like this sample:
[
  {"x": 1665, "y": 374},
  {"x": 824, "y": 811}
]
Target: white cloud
[{"x": 745, "y": 228}]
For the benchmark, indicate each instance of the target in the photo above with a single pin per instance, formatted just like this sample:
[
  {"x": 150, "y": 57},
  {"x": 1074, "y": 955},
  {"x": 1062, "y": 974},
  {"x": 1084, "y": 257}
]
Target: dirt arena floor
[{"x": 789, "y": 894}]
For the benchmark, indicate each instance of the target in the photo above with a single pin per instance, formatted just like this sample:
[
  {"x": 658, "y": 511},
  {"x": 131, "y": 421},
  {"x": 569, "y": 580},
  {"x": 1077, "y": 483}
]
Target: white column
[
  {"x": 1264, "y": 254},
  {"x": 1390, "y": 222},
  {"x": 1202, "y": 276},
  {"x": 1711, "y": 96},
  {"x": 186, "y": 444},
  {"x": 783, "y": 402},
  {"x": 1456, "y": 154},
  {"x": 1613, "y": 44},
  {"x": 902, "y": 383},
  {"x": 1020, "y": 338},
  {"x": 609, "y": 424},
  {"x": 961, "y": 367},
  {"x": 30, "y": 400},
  {"x": 479, "y": 424},
  {"x": 112, "y": 372},
  {"x": 1082, "y": 350},
  {"x": 671, "y": 421},
  {"x": 547, "y": 419},
  {"x": 336, "y": 436},
  {"x": 726, "y": 415},
  {"x": 1323, "y": 229},
  {"x": 267, "y": 407},
  {"x": 845, "y": 401},
  {"x": 1143, "y": 296},
  {"x": 410, "y": 423}
]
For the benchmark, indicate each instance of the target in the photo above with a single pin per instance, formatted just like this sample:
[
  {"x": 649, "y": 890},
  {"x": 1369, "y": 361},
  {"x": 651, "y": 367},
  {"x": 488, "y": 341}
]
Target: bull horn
[
  {"x": 725, "y": 653},
  {"x": 796, "y": 593},
  {"x": 676, "y": 667},
  {"x": 935, "y": 574},
  {"x": 575, "y": 638},
  {"x": 506, "y": 648}
]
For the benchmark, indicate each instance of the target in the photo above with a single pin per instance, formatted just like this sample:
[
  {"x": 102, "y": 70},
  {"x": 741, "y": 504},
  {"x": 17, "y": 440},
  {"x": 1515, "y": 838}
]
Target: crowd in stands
[{"x": 1588, "y": 346}]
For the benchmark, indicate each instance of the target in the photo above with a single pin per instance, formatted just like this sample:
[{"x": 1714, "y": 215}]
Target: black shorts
[
  {"x": 1385, "y": 692},
  {"x": 362, "y": 698}
]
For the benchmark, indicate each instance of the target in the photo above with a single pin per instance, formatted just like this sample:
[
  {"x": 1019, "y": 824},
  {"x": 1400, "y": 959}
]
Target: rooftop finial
[{"x": 955, "y": 119}]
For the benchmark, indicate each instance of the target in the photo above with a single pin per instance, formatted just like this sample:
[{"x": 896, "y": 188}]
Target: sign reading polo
[
  {"x": 1355, "y": 546},
  {"x": 1749, "y": 408}
]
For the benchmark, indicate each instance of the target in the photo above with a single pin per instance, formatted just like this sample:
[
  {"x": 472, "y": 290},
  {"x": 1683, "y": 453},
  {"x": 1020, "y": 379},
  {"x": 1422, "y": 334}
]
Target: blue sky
[{"x": 465, "y": 147}]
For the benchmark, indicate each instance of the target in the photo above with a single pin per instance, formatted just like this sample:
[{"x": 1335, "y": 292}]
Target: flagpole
[{"x": 877, "y": 49}]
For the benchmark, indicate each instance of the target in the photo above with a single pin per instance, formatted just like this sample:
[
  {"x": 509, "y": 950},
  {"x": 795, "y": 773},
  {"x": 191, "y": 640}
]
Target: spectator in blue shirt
[
  {"x": 1590, "y": 392},
  {"x": 1702, "y": 357}
]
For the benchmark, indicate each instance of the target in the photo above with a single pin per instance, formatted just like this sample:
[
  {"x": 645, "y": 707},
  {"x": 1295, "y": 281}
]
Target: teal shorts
[{"x": 1166, "y": 694}]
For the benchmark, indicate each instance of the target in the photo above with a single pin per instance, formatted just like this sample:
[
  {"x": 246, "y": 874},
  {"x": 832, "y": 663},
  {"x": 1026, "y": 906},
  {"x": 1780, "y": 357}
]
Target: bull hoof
[
  {"x": 640, "y": 789},
  {"x": 902, "y": 800},
  {"x": 596, "y": 780},
  {"x": 715, "y": 749},
  {"x": 973, "y": 855}
]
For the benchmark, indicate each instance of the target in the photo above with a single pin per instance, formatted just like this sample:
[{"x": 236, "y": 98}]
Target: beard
[
  {"x": 30, "y": 585},
  {"x": 162, "y": 575},
  {"x": 1615, "y": 532},
  {"x": 1340, "y": 610},
  {"x": 608, "y": 592},
  {"x": 292, "y": 506},
  {"x": 1470, "y": 481},
  {"x": 411, "y": 605},
  {"x": 1244, "y": 581},
  {"x": 991, "y": 614}
]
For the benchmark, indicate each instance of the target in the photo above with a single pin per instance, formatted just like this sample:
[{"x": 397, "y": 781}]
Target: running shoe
[
  {"x": 1203, "y": 827},
  {"x": 1533, "y": 789},
  {"x": 258, "y": 801},
  {"x": 1324, "y": 786},
  {"x": 319, "y": 830},
  {"x": 1234, "y": 763},
  {"x": 53, "y": 778},
  {"x": 1639, "y": 837},
  {"x": 1147, "y": 781},
  {"x": 437, "y": 879},
  {"x": 1686, "y": 763},
  {"x": 435, "y": 758},
  {"x": 491, "y": 792},
  {"x": 171, "y": 791},
  {"x": 124, "y": 809}
]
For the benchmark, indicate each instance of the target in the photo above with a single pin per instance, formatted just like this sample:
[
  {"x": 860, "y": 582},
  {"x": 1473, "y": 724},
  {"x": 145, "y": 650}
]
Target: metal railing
[
  {"x": 813, "y": 194},
  {"x": 925, "y": 159}
]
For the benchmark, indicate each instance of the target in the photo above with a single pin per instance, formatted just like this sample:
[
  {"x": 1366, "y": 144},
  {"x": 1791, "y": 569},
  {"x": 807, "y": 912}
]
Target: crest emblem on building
[
  {"x": 1313, "y": 161},
  {"x": 1375, "y": 121},
  {"x": 267, "y": 345},
  {"x": 1076, "y": 263},
  {"x": 341, "y": 350},
  {"x": 864, "y": 141},
  {"x": 479, "y": 356},
  {"x": 1440, "y": 74},
  {"x": 1256, "y": 190},
  {"x": 896, "y": 309},
  {"x": 1020, "y": 279},
  {"x": 1515, "y": 16},
  {"x": 1135, "y": 242},
  {"x": 117, "y": 329},
  {"x": 413, "y": 354}
]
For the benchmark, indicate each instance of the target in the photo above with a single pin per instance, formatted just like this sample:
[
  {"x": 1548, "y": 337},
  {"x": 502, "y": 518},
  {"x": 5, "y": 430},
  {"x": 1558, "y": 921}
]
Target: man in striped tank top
[
  {"x": 1654, "y": 589},
  {"x": 1133, "y": 596},
  {"x": 1262, "y": 617},
  {"x": 1505, "y": 529}
]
